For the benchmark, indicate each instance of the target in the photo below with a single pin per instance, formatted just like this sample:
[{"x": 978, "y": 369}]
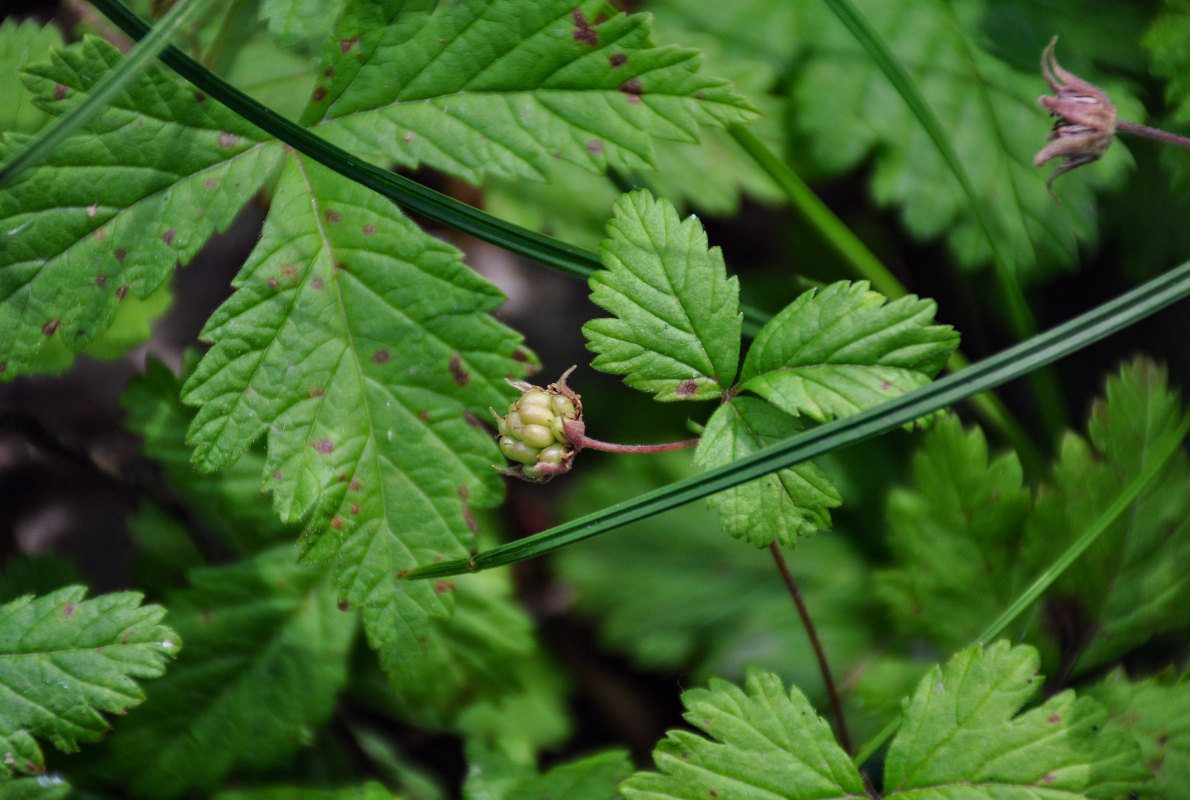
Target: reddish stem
[
  {"x": 1124, "y": 126},
  {"x": 819, "y": 653},
  {"x": 610, "y": 447}
]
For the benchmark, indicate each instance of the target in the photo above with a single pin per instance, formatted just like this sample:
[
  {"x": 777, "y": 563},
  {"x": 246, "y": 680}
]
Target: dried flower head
[
  {"x": 1086, "y": 123},
  {"x": 542, "y": 431}
]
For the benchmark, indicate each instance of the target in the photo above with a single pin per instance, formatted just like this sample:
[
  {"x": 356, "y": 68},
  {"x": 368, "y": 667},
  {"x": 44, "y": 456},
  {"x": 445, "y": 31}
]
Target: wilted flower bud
[
  {"x": 1086, "y": 122},
  {"x": 542, "y": 430}
]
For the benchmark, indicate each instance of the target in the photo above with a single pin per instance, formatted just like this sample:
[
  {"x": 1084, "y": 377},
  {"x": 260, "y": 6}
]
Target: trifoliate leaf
[
  {"x": 713, "y": 606},
  {"x": 1133, "y": 582},
  {"x": 265, "y": 658},
  {"x": 779, "y": 507},
  {"x": 676, "y": 332},
  {"x": 765, "y": 742},
  {"x": 22, "y": 44},
  {"x": 116, "y": 206},
  {"x": 849, "y": 112},
  {"x": 228, "y": 503},
  {"x": 361, "y": 346},
  {"x": 840, "y": 349},
  {"x": 1153, "y": 711},
  {"x": 964, "y": 736},
  {"x": 66, "y": 661},
  {"x": 503, "y": 87},
  {"x": 955, "y": 537}
]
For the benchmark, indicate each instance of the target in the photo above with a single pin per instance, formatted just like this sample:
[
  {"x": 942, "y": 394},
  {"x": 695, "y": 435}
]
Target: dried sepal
[{"x": 1086, "y": 124}]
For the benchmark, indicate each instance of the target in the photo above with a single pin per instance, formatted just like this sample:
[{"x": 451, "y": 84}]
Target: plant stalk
[
  {"x": 1123, "y": 126},
  {"x": 831, "y": 690},
  {"x": 611, "y": 447}
]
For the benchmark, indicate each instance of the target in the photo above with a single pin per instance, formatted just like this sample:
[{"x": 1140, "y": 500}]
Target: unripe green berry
[
  {"x": 554, "y": 454},
  {"x": 518, "y": 451},
  {"x": 537, "y": 436},
  {"x": 562, "y": 406},
  {"x": 534, "y": 397},
  {"x": 536, "y": 415}
]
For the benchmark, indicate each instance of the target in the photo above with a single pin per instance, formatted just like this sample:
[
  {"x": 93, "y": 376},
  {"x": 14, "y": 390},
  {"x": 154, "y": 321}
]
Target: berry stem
[
  {"x": 611, "y": 447},
  {"x": 1124, "y": 126},
  {"x": 819, "y": 653}
]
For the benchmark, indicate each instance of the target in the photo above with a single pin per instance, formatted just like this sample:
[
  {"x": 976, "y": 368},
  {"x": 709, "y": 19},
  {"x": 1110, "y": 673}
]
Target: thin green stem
[
  {"x": 99, "y": 95},
  {"x": 586, "y": 442},
  {"x": 824, "y": 668},
  {"x": 1160, "y": 457},
  {"x": 863, "y": 263},
  {"x": 1021, "y": 359}
]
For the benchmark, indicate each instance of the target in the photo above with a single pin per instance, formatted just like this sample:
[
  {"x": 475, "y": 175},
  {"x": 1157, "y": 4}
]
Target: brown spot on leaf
[
  {"x": 469, "y": 518},
  {"x": 3, "y": 366},
  {"x": 369, "y": 229},
  {"x": 424, "y": 416},
  {"x": 457, "y": 371},
  {"x": 227, "y": 140},
  {"x": 1055, "y": 718},
  {"x": 277, "y": 475},
  {"x": 632, "y": 86},
  {"x": 340, "y": 265},
  {"x": 354, "y": 508},
  {"x": 583, "y": 32},
  {"x": 442, "y": 587},
  {"x": 344, "y": 604},
  {"x": 68, "y": 609},
  {"x": 101, "y": 280},
  {"x": 92, "y": 210},
  {"x": 686, "y": 389},
  {"x": 346, "y": 45},
  {"x": 59, "y": 91},
  {"x": 123, "y": 290},
  {"x": 617, "y": 59},
  {"x": 337, "y": 522},
  {"x": 49, "y": 328},
  {"x": 319, "y": 94},
  {"x": 381, "y": 357},
  {"x": 289, "y": 271},
  {"x": 272, "y": 283},
  {"x": 168, "y": 236},
  {"x": 324, "y": 446},
  {"x": 199, "y": 97},
  {"x": 316, "y": 284},
  {"x": 329, "y": 72},
  {"x": 342, "y": 477},
  {"x": 410, "y": 136},
  {"x": 210, "y": 183},
  {"x": 120, "y": 254},
  {"x": 1048, "y": 777},
  {"x": 474, "y": 421},
  {"x": 99, "y": 235},
  {"x": 462, "y": 492},
  {"x": 315, "y": 392},
  {"x": 595, "y": 146},
  {"x": 714, "y": 793},
  {"x": 333, "y": 216},
  {"x": 355, "y": 485}
]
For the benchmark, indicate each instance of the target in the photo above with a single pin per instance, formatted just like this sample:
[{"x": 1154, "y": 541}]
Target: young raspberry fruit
[{"x": 542, "y": 431}]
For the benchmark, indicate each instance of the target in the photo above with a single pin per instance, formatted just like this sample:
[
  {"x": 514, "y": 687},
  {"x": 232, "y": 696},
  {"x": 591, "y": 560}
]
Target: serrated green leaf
[
  {"x": 21, "y": 44},
  {"x": 768, "y": 742},
  {"x": 849, "y": 112},
  {"x": 502, "y": 88},
  {"x": 265, "y": 659},
  {"x": 676, "y": 332},
  {"x": 964, "y": 736},
  {"x": 1132, "y": 583},
  {"x": 228, "y": 503},
  {"x": 840, "y": 349},
  {"x": 361, "y": 346},
  {"x": 713, "y": 606},
  {"x": 174, "y": 168},
  {"x": 293, "y": 22},
  {"x": 955, "y": 537},
  {"x": 780, "y": 507},
  {"x": 1153, "y": 711},
  {"x": 66, "y": 661}
]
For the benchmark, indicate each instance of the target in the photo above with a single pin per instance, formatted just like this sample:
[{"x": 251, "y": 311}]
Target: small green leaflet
[
  {"x": 360, "y": 346},
  {"x": 778, "y": 507},
  {"x": 840, "y": 349},
  {"x": 676, "y": 332},
  {"x": 963, "y": 737},
  {"x": 21, "y": 43},
  {"x": 503, "y": 87},
  {"x": 66, "y": 661},
  {"x": 262, "y": 633},
  {"x": 175, "y": 168}
]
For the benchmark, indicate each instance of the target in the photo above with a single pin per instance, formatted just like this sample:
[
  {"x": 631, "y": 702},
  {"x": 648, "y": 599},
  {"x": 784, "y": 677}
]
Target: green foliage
[
  {"x": 66, "y": 661},
  {"x": 676, "y": 331},
  {"x": 494, "y": 776},
  {"x": 1170, "y": 58},
  {"x": 963, "y": 735},
  {"x": 265, "y": 657},
  {"x": 21, "y": 44},
  {"x": 969, "y": 537}
]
